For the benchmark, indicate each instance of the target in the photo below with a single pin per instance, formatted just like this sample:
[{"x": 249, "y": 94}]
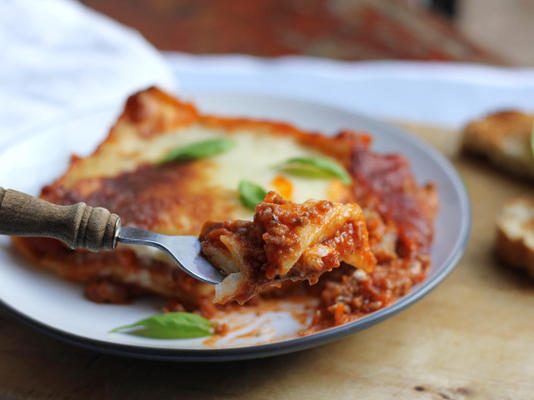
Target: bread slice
[
  {"x": 504, "y": 138},
  {"x": 515, "y": 234}
]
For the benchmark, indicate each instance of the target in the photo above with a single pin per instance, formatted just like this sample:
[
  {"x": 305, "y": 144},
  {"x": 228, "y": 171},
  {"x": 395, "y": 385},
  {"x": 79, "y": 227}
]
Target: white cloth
[
  {"x": 446, "y": 94},
  {"x": 59, "y": 58}
]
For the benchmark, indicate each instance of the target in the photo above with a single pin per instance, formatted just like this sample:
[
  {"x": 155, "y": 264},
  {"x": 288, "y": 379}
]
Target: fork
[{"x": 80, "y": 226}]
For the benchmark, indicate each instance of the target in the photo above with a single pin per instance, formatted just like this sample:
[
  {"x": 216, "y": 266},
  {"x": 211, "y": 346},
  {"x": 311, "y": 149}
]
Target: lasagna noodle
[{"x": 285, "y": 241}]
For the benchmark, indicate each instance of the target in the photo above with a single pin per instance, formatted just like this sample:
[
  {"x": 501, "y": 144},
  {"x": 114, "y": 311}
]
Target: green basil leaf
[
  {"x": 250, "y": 194},
  {"x": 173, "y": 325},
  {"x": 532, "y": 140},
  {"x": 316, "y": 167},
  {"x": 202, "y": 149}
]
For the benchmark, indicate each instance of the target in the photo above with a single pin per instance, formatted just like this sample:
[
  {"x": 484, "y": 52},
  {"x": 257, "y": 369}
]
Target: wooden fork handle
[{"x": 78, "y": 225}]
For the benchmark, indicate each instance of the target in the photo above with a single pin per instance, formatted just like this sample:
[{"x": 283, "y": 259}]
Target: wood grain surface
[
  {"x": 471, "y": 338},
  {"x": 79, "y": 226}
]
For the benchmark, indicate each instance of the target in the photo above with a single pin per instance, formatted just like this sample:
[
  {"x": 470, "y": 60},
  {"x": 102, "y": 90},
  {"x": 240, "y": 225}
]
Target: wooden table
[{"x": 471, "y": 338}]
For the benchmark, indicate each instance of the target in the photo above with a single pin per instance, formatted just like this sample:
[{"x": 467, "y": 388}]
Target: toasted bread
[
  {"x": 515, "y": 234},
  {"x": 504, "y": 138}
]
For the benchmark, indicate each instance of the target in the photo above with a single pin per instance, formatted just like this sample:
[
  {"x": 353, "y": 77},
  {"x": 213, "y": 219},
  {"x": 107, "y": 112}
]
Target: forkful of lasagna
[{"x": 284, "y": 241}]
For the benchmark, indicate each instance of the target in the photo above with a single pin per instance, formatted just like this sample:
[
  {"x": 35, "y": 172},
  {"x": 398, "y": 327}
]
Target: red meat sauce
[{"x": 399, "y": 217}]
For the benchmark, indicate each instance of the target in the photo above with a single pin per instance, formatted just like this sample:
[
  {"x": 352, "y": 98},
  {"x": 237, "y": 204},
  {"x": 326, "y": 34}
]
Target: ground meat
[{"x": 106, "y": 291}]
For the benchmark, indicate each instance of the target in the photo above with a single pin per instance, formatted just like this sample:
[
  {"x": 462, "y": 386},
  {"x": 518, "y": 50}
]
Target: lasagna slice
[
  {"x": 285, "y": 240},
  {"x": 125, "y": 174}
]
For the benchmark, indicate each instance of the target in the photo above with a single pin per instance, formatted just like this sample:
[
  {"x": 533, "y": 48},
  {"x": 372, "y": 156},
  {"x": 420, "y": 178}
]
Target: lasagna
[
  {"x": 285, "y": 241},
  {"x": 125, "y": 175}
]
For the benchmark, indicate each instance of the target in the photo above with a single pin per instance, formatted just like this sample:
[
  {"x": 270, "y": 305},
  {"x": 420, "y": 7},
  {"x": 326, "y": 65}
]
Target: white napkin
[
  {"x": 59, "y": 58},
  {"x": 446, "y": 94}
]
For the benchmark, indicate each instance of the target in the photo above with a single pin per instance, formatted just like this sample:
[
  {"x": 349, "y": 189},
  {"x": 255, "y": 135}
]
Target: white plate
[{"x": 59, "y": 308}]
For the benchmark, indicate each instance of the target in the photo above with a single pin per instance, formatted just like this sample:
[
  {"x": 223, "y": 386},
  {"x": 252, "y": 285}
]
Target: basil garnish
[
  {"x": 202, "y": 149},
  {"x": 532, "y": 140},
  {"x": 173, "y": 325},
  {"x": 250, "y": 194},
  {"x": 316, "y": 167}
]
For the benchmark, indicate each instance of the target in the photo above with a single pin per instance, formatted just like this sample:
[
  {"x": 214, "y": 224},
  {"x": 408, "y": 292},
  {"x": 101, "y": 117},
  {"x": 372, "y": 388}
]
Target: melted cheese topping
[{"x": 254, "y": 158}]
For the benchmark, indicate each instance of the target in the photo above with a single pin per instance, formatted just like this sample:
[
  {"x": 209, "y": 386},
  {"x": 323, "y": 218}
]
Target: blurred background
[
  {"x": 484, "y": 31},
  {"x": 64, "y": 48}
]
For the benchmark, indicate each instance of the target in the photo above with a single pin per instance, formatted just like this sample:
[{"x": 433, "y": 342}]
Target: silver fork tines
[{"x": 184, "y": 250}]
